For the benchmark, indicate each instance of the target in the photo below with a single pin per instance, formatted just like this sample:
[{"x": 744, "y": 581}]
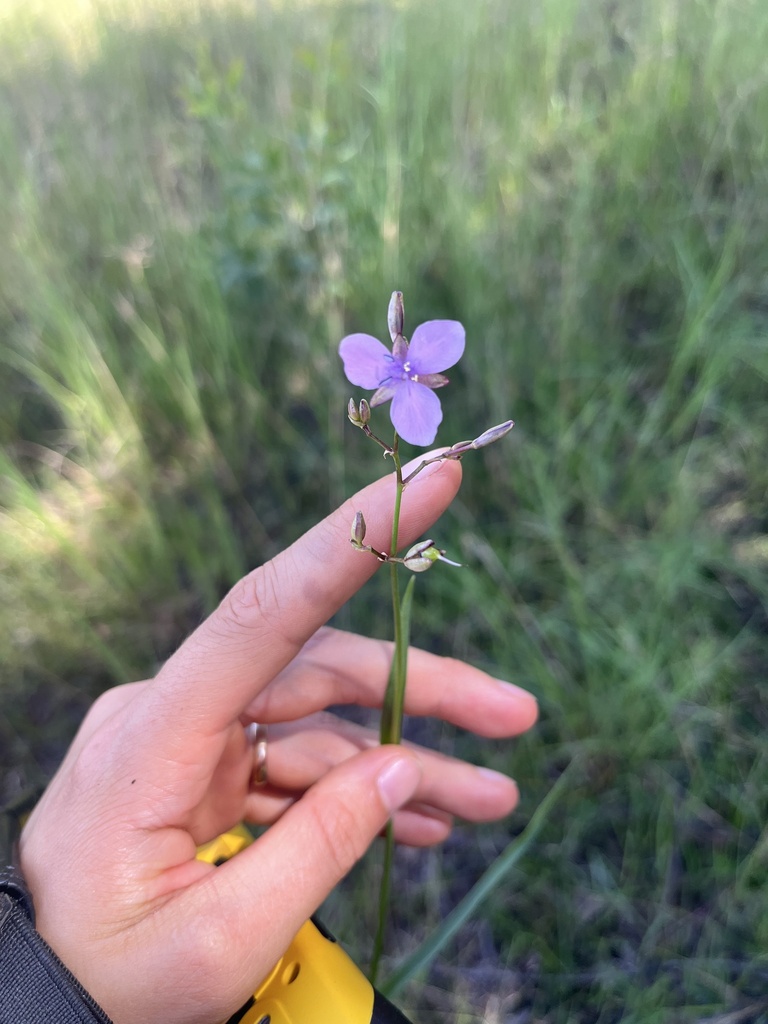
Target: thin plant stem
[
  {"x": 384, "y": 893},
  {"x": 392, "y": 719},
  {"x": 401, "y": 641}
]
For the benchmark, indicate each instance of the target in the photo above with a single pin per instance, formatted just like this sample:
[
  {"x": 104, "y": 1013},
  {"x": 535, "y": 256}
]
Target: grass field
[{"x": 198, "y": 200}]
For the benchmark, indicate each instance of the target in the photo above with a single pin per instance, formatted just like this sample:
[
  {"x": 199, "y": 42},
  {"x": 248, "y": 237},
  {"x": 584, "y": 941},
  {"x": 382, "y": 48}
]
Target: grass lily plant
[{"x": 408, "y": 377}]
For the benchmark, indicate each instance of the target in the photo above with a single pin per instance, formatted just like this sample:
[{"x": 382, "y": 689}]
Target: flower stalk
[
  {"x": 408, "y": 376},
  {"x": 391, "y": 728}
]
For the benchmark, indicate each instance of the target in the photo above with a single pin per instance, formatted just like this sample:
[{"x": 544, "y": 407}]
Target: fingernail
[
  {"x": 495, "y": 778},
  {"x": 398, "y": 781},
  {"x": 512, "y": 690},
  {"x": 499, "y": 786}
]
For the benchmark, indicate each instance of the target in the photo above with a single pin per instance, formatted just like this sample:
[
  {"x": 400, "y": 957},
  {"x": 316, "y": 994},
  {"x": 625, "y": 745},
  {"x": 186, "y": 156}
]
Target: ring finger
[{"x": 300, "y": 753}]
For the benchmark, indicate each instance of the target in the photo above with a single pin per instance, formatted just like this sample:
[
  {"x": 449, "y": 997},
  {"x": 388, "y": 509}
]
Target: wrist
[{"x": 34, "y": 983}]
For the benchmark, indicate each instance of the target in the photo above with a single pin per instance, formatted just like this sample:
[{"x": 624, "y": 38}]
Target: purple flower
[{"x": 409, "y": 374}]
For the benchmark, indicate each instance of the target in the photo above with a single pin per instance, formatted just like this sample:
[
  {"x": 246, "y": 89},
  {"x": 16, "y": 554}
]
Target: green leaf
[
  {"x": 488, "y": 882},
  {"x": 391, "y": 730}
]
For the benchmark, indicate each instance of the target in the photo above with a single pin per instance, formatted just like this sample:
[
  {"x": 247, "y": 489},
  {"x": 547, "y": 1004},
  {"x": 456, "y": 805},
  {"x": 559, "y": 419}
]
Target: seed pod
[{"x": 422, "y": 556}]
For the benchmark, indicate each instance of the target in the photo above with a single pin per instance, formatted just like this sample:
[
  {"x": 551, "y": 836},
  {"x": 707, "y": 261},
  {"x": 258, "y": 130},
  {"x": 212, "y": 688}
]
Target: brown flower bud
[
  {"x": 357, "y": 533},
  {"x": 395, "y": 315},
  {"x": 359, "y": 416},
  {"x": 353, "y": 413}
]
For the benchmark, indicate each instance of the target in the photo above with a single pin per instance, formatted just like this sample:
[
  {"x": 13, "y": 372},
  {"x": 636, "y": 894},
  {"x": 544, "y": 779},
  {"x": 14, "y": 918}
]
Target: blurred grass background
[{"x": 197, "y": 200}]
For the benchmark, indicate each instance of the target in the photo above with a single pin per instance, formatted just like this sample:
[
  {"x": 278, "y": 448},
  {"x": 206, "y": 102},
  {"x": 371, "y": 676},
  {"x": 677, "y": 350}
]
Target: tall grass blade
[{"x": 481, "y": 890}]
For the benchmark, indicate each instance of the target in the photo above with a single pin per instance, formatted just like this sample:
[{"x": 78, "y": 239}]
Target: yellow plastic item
[
  {"x": 225, "y": 846},
  {"x": 314, "y": 982}
]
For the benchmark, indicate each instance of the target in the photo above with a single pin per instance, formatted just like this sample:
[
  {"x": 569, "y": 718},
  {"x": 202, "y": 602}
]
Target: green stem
[
  {"x": 384, "y": 891},
  {"x": 392, "y": 732},
  {"x": 394, "y": 701},
  {"x": 392, "y": 724}
]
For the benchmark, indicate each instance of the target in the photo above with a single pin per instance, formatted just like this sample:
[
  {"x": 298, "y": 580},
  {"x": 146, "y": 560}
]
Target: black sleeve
[
  {"x": 384, "y": 1012},
  {"x": 35, "y": 986}
]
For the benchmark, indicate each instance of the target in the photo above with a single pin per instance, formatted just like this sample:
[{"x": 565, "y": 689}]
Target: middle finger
[
  {"x": 341, "y": 668},
  {"x": 299, "y": 754}
]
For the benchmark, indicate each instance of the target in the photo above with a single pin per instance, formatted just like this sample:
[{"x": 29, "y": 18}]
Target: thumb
[{"x": 288, "y": 872}]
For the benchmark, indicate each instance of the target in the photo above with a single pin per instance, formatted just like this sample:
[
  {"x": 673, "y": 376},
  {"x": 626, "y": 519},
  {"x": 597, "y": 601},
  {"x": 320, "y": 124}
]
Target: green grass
[{"x": 195, "y": 205}]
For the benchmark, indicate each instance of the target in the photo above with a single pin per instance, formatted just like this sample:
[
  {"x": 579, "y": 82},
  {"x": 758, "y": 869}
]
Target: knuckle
[
  {"x": 108, "y": 703},
  {"x": 337, "y": 826},
  {"x": 255, "y": 603}
]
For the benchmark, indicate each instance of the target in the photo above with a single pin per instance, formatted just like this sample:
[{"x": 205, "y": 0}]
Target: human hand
[{"x": 160, "y": 767}]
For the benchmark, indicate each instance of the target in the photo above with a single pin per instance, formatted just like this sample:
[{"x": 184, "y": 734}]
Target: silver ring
[{"x": 257, "y": 739}]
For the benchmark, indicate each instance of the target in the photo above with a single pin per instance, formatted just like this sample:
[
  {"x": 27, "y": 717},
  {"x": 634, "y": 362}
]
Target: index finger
[{"x": 267, "y": 617}]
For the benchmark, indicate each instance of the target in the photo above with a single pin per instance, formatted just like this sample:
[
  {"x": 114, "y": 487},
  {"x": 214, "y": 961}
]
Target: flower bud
[
  {"x": 493, "y": 434},
  {"x": 357, "y": 533},
  {"x": 353, "y": 414},
  {"x": 486, "y": 438},
  {"x": 460, "y": 448},
  {"x": 359, "y": 416},
  {"x": 395, "y": 315}
]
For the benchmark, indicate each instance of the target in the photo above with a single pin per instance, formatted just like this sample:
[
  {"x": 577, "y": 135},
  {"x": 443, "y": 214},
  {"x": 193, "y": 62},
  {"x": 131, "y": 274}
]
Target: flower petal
[
  {"x": 436, "y": 345},
  {"x": 367, "y": 363},
  {"x": 416, "y": 413}
]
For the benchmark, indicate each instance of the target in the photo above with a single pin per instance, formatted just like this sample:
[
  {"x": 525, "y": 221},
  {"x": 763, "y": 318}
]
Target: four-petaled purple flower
[{"x": 409, "y": 374}]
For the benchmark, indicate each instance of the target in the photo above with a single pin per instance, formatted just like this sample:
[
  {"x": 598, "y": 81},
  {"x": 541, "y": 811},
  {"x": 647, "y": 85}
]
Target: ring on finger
[{"x": 256, "y": 734}]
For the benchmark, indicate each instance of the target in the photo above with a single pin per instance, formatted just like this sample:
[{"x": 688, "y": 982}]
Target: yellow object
[
  {"x": 314, "y": 982},
  {"x": 226, "y": 846}
]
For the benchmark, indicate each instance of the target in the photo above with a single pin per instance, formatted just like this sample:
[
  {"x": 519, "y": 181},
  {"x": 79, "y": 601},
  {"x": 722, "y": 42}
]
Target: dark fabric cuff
[{"x": 35, "y": 986}]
